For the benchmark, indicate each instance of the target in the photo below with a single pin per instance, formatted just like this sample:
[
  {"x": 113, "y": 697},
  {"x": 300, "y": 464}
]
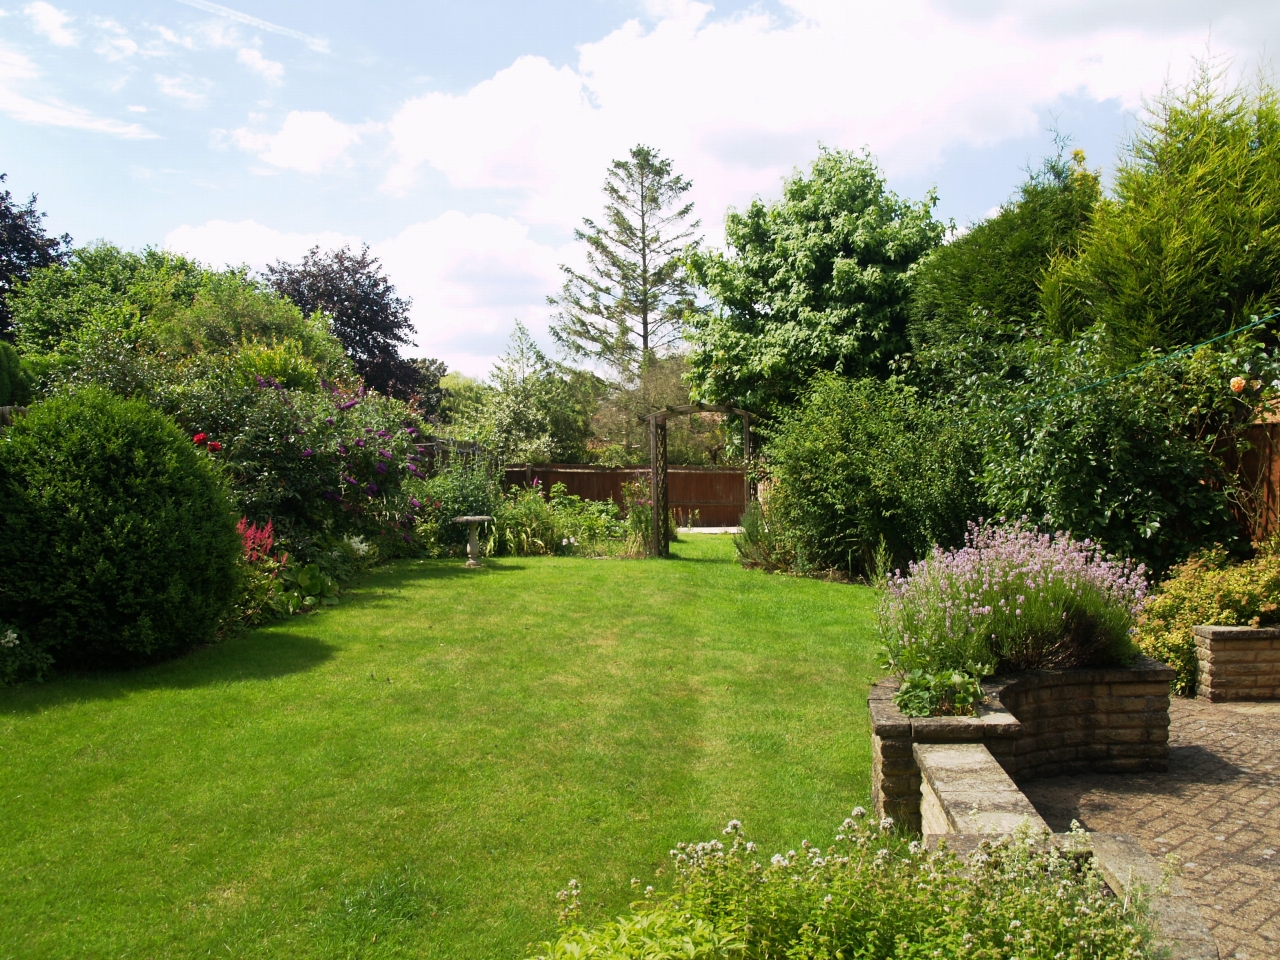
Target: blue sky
[{"x": 464, "y": 141}]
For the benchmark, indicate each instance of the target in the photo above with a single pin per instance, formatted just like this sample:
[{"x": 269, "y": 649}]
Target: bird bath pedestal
[{"x": 473, "y": 545}]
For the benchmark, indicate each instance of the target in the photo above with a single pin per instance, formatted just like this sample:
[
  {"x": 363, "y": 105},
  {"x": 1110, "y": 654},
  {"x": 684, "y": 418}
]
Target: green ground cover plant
[
  {"x": 429, "y": 761},
  {"x": 1210, "y": 588},
  {"x": 870, "y": 895}
]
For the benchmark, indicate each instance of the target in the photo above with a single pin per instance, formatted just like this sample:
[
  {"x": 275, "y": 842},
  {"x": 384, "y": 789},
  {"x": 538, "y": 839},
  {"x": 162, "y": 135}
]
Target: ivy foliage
[{"x": 815, "y": 282}]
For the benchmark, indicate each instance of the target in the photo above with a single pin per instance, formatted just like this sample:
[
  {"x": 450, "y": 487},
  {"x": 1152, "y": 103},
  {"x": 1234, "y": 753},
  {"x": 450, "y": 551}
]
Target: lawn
[{"x": 417, "y": 771}]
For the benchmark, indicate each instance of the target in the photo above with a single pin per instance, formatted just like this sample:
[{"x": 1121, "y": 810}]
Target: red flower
[
  {"x": 214, "y": 446},
  {"x": 200, "y": 438}
]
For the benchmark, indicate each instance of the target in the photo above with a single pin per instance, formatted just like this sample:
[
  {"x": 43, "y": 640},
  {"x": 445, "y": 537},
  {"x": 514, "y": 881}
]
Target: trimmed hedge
[{"x": 117, "y": 540}]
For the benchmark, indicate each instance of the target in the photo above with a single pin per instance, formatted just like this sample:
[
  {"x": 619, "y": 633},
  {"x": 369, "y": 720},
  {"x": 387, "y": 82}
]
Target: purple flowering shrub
[{"x": 1014, "y": 598}]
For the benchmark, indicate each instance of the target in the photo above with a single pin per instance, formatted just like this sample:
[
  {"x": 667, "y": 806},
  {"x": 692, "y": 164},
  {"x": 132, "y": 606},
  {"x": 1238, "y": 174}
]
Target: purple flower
[
  {"x": 406, "y": 537},
  {"x": 371, "y": 488},
  {"x": 412, "y": 431},
  {"x": 385, "y": 454},
  {"x": 351, "y": 480},
  {"x": 381, "y": 468},
  {"x": 342, "y": 449},
  {"x": 383, "y": 433},
  {"x": 332, "y": 495},
  {"x": 416, "y": 504},
  {"x": 306, "y": 452},
  {"x": 360, "y": 442},
  {"x": 348, "y": 405},
  {"x": 329, "y": 421},
  {"x": 368, "y": 429}
]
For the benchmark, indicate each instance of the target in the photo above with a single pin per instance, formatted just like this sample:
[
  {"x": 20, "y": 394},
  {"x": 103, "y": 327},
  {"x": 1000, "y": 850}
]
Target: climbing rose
[
  {"x": 1237, "y": 384},
  {"x": 200, "y": 438},
  {"x": 214, "y": 446}
]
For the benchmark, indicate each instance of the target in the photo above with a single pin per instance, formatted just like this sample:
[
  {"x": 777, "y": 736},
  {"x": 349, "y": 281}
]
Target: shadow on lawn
[{"x": 252, "y": 656}]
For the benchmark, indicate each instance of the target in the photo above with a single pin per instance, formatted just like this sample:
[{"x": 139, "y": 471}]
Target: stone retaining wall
[
  {"x": 1042, "y": 723},
  {"x": 1238, "y": 663}
]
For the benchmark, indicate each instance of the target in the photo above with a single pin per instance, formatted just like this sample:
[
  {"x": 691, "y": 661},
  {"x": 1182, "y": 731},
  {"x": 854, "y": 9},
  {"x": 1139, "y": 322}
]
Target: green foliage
[
  {"x": 873, "y": 896},
  {"x": 117, "y": 539},
  {"x": 1189, "y": 246},
  {"x": 535, "y": 411},
  {"x": 465, "y": 486},
  {"x": 866, "y": 462},
  {"x": 657, "y": 934},
  {"x": 1136, "y": 464},
  {"x": 20, "y": 658},
  {"x": 992, "y": 273},
  {"x": 762, "y": 543},
  {"x": 942, "y": 693},
  {"x": 306, "y": 588},
  {"x": 529, "y": 523},
  {"x": 815, "y": 282},
  {"x": 630, "y": 302},
  {"x": 15, "y": 388},
  {"x": 1208, "y": 589}
]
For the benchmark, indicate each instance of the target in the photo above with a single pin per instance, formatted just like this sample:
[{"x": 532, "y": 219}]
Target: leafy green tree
[
  {"x": 817, "y": 281},
  {"x": 23, "y": 247},
  {"x": 992, "y": 274},
  {"x": 1189, "y": 246},
  {"x": 534, "y": 410},
  {"x": 630, "y": 301}
]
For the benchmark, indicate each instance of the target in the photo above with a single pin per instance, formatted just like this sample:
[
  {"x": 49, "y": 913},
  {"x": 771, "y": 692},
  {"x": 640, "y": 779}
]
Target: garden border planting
[
  {"x": 1037, "y": 724},
  {"x": 1237, "y": 663}
]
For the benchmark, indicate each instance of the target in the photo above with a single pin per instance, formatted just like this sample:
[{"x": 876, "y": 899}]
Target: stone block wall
[
  {"x": 1238, "y": 663},
  {"x": 1038, "y": 724}
]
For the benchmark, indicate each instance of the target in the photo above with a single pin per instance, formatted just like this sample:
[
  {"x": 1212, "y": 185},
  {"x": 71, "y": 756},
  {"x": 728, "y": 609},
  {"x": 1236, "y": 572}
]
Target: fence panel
[{"x": 717, "y": 494}]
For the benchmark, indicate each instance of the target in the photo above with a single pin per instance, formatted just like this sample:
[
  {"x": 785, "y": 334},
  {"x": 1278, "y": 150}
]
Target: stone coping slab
[{"x": 964, "y": 790}]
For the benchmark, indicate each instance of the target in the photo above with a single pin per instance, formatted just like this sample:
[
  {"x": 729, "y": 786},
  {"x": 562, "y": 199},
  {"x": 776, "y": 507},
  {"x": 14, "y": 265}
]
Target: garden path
[{"x": 1217, "y": 809}]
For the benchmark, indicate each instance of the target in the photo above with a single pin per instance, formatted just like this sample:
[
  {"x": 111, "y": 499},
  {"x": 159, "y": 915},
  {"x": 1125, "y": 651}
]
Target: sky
[{"x": 464, "y": 142}]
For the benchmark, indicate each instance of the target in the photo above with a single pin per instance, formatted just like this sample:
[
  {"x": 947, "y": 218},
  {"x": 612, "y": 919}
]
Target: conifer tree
[{"x": 628, "y": 304}]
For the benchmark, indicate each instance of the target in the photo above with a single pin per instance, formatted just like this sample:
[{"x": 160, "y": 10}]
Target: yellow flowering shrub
[{"x": 1208, "y": 589}]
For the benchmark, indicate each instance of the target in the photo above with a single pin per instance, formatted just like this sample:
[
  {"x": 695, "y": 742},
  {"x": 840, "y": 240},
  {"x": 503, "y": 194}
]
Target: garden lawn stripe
[{"x": 545, "y": 718}]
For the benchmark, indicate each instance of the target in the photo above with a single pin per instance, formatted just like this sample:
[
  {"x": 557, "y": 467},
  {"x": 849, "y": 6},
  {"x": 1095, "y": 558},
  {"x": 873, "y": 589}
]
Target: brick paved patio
[{"x": 1218, "y": 809}]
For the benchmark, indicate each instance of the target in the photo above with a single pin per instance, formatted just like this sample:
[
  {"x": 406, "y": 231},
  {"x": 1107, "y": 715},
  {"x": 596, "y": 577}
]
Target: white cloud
[
  {"x": 738, "y": 102},
  {"x": 308, "y": 141},
  {"x": 221, "y": 242},
  {"x": 471, "y": 277},
  {"x": 188, "y": 91},
  {"x": 16, "y": 71},
  {"x": 315, "y": 43},
  {"x": 51, "y": 23},
  {"x": 115, "y": 42},
  {"x": 255, "y": 61}
]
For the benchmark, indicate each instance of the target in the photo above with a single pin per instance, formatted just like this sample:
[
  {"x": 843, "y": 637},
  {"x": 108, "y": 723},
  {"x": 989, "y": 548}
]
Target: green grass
[{"x": 416, "y": 772}]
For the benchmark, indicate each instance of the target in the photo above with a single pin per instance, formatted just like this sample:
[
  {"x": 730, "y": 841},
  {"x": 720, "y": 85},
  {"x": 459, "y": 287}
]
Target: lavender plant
[{"x": 1014, "y": 598}]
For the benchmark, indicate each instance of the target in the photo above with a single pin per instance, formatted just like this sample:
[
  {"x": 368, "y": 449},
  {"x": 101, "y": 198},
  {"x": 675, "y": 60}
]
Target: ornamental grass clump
[
  {"x": 1012, "y": 598},
  {"x": 873, "y": 896}
]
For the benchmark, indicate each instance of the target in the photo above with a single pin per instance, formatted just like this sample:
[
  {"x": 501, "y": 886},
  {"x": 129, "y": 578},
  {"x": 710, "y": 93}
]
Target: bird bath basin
[{"x": 473, "y": 545}]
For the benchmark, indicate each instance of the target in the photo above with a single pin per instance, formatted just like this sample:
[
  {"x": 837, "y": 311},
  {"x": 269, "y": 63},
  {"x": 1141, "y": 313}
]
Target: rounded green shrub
[
  {"x": 117, "y": 540},
  {"x": 14, "y": 388}
]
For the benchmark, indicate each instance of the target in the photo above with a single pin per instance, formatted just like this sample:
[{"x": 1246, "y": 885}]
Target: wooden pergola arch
[{"x": 658, "y": 463}]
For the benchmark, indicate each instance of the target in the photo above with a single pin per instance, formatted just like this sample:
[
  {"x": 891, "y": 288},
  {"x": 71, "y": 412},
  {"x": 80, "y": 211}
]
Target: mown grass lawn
[{"x": 417, "y": 771}]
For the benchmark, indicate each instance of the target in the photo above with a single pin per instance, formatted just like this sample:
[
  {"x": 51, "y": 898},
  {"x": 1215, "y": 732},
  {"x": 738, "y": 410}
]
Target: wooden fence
[
  {"x": 698, "y": 496},
  {"x": 1260, "y": 475}
]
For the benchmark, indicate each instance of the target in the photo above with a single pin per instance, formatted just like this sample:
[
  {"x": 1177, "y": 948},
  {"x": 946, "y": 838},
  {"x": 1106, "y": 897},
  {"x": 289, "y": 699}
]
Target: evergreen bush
[{"x": 117, "y": 540}]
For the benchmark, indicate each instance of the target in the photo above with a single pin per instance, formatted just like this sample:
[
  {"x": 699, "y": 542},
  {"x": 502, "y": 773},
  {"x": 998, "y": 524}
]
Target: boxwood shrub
[{"x": 117, "y": 541}]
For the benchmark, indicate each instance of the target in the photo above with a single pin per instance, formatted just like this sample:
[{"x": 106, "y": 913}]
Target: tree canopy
[
  {"x": 629, "y": 303},
  {"x": 367, "y": 315},
  {"x": 1189, "y": 245},
  {"x": 991, "y": 275},
  {"x": 817, "y": 281},
  {"x": 23, "y": 247}
]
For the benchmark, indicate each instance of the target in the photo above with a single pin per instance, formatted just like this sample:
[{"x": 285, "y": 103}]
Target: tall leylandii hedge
[{"x": 866, "y": 462}]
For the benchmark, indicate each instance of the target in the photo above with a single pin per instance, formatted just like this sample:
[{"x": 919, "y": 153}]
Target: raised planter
[
  {"x": 1238, "y": 663},
  {"x": 1041, "y": 723}
]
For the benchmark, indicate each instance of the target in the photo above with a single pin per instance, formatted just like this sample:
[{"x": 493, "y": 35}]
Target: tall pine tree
[{"x": 628, "y": 304}]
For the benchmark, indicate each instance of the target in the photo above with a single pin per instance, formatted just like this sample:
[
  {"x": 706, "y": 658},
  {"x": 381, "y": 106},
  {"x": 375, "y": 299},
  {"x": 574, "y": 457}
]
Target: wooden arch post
[{"x": 661, "y": 526}]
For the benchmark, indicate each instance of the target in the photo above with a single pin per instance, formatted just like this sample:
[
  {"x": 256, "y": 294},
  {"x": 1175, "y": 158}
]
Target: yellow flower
[{"x": 1237, "y": 384}]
